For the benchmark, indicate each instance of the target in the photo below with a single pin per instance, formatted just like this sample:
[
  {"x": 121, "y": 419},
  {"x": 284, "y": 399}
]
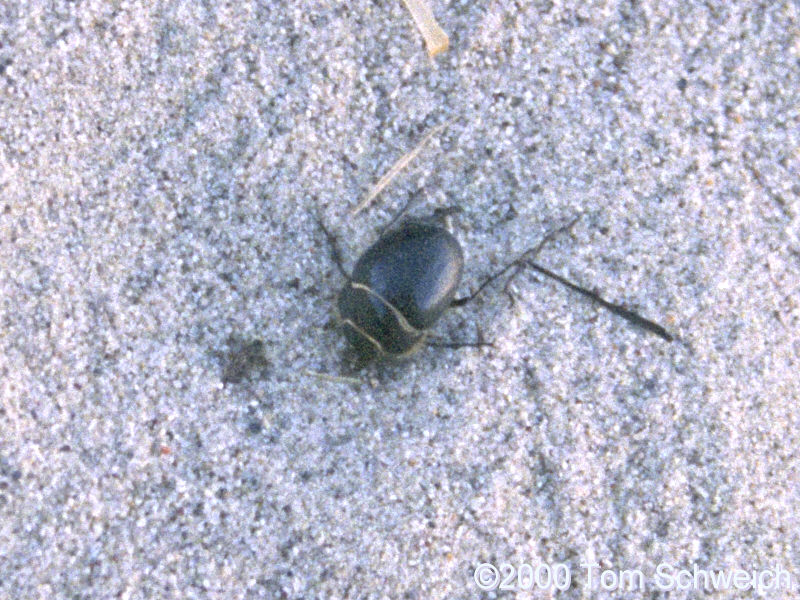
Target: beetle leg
[
  {"x": 480, "y": 342},
  {"x": 526, "y": 259},
  {"x": 619, "y": 310},
  {"x": 336, "y": 253},
  {"x": 518, "y": 264},
  {"x": 487, "y": 281},
  {"x": 459, "y": 344},
  {"x": 507, "y": 286}
]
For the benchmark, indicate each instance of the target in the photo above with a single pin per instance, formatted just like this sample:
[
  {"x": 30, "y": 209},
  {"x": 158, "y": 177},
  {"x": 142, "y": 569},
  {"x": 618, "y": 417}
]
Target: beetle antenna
[{"x": 336, "y": 253}]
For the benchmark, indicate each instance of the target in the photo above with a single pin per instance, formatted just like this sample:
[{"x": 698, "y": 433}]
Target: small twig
[
  {"x": 397, "y": 167},
  {"x": 436, "y": 40}
]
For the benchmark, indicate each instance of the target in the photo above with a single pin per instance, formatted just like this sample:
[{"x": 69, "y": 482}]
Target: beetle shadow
[{"x": 242, "y": 359}]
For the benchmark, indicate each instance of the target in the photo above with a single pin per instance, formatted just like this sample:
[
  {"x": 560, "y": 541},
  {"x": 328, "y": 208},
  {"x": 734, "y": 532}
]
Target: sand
[{"x": 179, "y": 418}]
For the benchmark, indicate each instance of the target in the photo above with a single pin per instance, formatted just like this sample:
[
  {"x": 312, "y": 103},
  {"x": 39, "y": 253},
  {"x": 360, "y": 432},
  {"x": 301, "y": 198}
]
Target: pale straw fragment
[
  {"x": 397, "y": 167},
  {"x": 435, "y": 39}
]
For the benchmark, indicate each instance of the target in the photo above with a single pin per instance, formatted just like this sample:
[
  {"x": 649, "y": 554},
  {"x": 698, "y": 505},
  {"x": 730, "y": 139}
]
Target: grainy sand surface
[{"x": 166, "y": 297}]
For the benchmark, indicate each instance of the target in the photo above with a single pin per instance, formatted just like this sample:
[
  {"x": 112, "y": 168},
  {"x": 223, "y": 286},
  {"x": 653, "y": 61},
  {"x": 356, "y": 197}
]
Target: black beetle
[
  {"x": 399, "y": 288},
  {"x": 404, "y": 282}
]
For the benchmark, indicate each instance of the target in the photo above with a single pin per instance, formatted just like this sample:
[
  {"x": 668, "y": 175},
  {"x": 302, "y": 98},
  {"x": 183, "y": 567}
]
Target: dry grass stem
[
  {"x": 396, "y": 168},
  {"x": 436, "y": 40}
]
